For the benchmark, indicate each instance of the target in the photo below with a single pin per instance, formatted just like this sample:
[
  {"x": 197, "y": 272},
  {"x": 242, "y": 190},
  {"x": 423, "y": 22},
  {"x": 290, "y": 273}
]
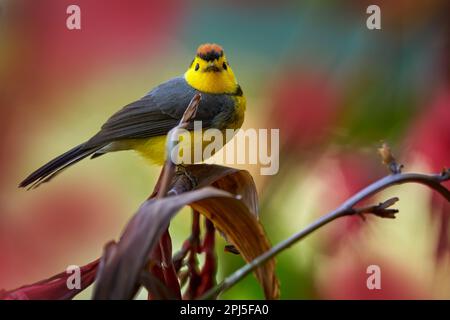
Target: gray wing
[{"x": 160, "y": 110}]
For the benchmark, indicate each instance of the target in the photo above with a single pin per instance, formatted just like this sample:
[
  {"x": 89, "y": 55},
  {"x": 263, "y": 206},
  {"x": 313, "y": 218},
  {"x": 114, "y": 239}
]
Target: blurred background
[{"x": 310, "y": 68}]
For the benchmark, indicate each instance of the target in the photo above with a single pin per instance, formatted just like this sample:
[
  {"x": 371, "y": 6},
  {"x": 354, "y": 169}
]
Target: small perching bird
[{"x": 143, "y": 125}]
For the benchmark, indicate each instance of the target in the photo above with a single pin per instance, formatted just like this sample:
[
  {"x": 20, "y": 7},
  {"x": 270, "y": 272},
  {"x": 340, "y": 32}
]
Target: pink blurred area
[
  {"x": 53, "y": 231},
  {"x": 430, "y": 134},
  {"x": 351, "y": 172},
  {"x": 430, "y": 138},
  {"x": 41, "y": 234},
  {"x": 311, "y": 124},
  {"x": 349, "y": 280},
  {"x": 48, "y": 59},
  {"x": 112, "y": 32}
]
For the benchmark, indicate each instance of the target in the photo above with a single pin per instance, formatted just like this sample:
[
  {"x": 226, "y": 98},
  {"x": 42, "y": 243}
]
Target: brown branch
[
  {"x": 166, "y": 270},
  {"x": 347, "y": 208},
  {"x": 169, "y": 167}
]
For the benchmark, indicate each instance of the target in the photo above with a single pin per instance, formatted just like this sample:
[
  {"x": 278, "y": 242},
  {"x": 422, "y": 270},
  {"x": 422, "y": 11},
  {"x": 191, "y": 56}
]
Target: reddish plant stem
[
  {"x": 179, "y": 257},
  {"x": 155, "y": 269},
  {"x": 170, "y": 275},
  {"x": 192, "y": 263},
  {"x": 208, "y": 272}
]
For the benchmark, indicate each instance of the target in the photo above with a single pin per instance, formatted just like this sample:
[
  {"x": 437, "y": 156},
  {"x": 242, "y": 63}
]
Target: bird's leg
[{"x": 184, "y": 171}]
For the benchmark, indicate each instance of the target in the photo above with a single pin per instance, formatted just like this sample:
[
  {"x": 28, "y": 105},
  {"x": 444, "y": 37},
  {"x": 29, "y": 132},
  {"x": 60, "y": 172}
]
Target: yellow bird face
[{"x": 210, "y": 72}]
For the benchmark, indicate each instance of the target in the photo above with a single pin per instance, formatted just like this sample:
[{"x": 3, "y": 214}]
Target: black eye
[
  {"x": 224, "y": 66},
  {"x": 197, "y": 66}
]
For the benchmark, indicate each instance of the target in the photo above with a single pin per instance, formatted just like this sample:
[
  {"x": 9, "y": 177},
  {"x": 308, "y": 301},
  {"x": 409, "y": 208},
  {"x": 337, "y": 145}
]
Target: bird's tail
[{"x": 55, "y": 166}]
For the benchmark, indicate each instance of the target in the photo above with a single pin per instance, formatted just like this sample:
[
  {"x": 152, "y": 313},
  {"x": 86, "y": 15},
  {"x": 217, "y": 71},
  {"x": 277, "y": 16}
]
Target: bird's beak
[{"x": 212, "y": 67}]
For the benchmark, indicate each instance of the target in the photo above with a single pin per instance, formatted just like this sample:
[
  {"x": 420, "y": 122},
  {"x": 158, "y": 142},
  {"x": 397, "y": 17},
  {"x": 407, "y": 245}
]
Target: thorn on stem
[{"x": 381, "y": 210}]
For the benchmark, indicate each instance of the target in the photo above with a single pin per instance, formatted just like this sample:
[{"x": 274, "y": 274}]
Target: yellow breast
[
  {"x": 154, "y": 149},
  {"x": 239, "y": 108},
  {"x": 211, "y": 82}
]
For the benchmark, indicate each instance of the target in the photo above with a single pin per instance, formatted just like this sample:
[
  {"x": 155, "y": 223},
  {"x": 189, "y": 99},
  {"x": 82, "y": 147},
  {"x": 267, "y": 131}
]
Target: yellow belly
[{"x": 154, "y": 149}]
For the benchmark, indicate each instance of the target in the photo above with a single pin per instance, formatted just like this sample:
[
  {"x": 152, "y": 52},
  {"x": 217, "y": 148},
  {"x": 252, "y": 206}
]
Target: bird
[{"x": 143, "y": 125}]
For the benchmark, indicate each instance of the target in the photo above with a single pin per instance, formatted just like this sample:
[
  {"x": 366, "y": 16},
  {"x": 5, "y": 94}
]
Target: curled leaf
[
  {"x": 233, "y": 211},
  {"x": 233, "y": 218},
  {"x": 53, "y": 288},
  {"x": 120, "y": 274},
  {"x": 235, "y": 181}
]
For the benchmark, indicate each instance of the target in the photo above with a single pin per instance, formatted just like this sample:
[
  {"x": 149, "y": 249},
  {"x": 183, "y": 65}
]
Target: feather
[
  {"x": 49, "y": 170},
  {"x": 153, "y": 115}
]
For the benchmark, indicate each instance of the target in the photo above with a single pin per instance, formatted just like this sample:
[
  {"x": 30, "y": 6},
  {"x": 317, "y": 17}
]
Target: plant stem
[{"x": 432, "y": 181}]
